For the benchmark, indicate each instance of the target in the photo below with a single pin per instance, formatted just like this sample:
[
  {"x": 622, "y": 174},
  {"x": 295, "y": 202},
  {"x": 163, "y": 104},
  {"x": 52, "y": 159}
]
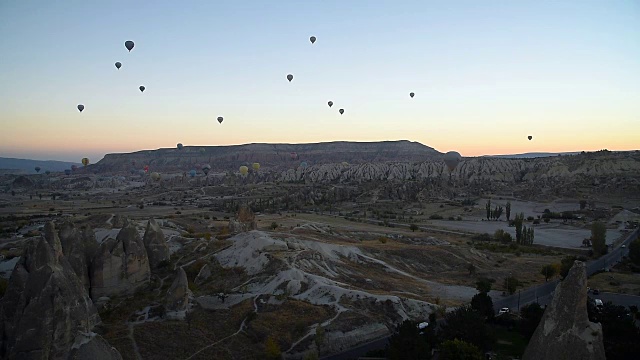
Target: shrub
[{"x": 435, "y": 217}]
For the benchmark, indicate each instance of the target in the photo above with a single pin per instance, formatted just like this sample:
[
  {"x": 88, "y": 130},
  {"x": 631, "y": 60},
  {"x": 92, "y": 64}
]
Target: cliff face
[{"x": 565, "y": 331}]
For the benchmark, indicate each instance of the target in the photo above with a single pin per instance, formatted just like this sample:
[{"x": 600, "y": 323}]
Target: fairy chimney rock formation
[
  {"x": 565, "y": 331},
  {"x": 121, "y": 265},
  {"x": 45, "y": 306},
  {"x": 155, "y": 244}
]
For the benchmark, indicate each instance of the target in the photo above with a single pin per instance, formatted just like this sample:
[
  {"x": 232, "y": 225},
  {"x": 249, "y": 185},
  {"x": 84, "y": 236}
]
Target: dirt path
[{"x": 242, "y": 326}]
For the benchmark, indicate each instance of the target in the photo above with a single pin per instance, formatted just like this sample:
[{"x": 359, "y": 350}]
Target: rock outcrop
[
  {"x": 45, "y": 306},
  {"x": 92, "y": 346},
  {"x": 177, "y": 298},
  {"x": 121, "y": 265},
  {"x": 565, "y": 331},
  {"x": 203, "y": 275},
  {"x": 245, "y": 220},
  {"x": 118, "y": 221},
  {"x": 155, "y": 244}
]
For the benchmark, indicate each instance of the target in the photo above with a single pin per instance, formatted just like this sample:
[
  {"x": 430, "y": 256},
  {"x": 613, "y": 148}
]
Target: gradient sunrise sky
[{"x": 485, "y": 73}]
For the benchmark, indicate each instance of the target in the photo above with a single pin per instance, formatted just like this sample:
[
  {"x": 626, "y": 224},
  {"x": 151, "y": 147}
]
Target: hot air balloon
[
  {"x": 244, "y": 170},
  {"x": 529, "y": 137},
  {"x": 142, "y": 88},
  {"x": 67, "y": 171},
  {"x": 192, "y": 173},
  {"x": 118, "y": 64},
  {"x": 255, "y": 166},
  {"x": 293, "y": 155},
  {"x": 202, "y": 150},
  {"x": 312, "y": 39},
  {"x": 412, "y": 95},
  {"x": 141, "y": 172},
  {"x": 303, "y": 164},
  {"x": 155, "y": 176},
  {"x": 289, "y": 77},
  {"x": 129, "y": 45},
  {"x": 47, "y": 172},
  {"x": 341, "y": 111},
  {"x": 146, "y": 168},
  {"x": 451, "y": 159},
  {"x": 179, "y": 146},
  {"x": 80, "y": 107},
  {"x": 220, "y": 119},
  {"x": 133, "y": 163},
  {"x": 206, "y": 168},
  {"x": 330, "y": 103},
  {"x": 85, "y": 161},
  {"x": 37, "y": 169},
  {"x": 74, "y": 167},
  {"x": 344, "y": 163}
]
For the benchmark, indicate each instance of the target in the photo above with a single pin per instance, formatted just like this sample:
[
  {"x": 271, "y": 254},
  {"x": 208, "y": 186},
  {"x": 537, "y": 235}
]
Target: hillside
[{"x": 22, "y": 166}]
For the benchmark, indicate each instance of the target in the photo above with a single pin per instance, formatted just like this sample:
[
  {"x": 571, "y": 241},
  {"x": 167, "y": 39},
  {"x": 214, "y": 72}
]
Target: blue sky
[{"x": 486, "y": 74}]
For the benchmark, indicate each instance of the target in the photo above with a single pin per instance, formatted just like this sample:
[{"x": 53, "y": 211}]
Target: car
[
  {"x": 503, "y": 311},
  {"x": 596, "y": 292}
]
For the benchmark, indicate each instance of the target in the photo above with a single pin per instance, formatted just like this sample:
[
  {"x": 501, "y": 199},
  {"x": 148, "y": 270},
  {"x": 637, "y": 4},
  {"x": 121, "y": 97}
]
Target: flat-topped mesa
[
  {"x": 155, "y": 244},
  {"x": 45, "y": 306},
  {"x": 121, "y": 265},
  {"x": 565, "y": 331}
]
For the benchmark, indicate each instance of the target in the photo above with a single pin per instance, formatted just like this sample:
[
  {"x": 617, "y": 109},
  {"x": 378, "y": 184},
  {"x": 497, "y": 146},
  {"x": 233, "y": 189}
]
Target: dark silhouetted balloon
[
  {"x": 293, "y": 155},
  {"x": 67, "y": 171},
  {"x": 47, "y": 172},
  {"x": 330, "y": 103},
  {"x": 412, "y": 94},
  {"x": 37, "y": 168},
  {"x": 289, "y": 77},
  {"x": 206, "y": 168},
  {"x": 129, "y": 45},
  {"x": 179, "y": 146},
  {"x": 529, "y": 137},
  {"x": 312, "y": 39},
  {"x": 220, "y": 119},
  {"x": 142, "y": 88},
  {"x": 341, "y": 111},
  {"x": 74, "y": 167},
  {"x": 451, "y": 159},
  {"x": 118, "y": 65},
  {"x": 80, "y": 107},
  {"x": 85, "y": 161}
]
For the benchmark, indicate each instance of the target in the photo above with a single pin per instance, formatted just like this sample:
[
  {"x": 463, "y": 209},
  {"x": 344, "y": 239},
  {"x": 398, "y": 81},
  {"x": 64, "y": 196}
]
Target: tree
[
  {"x": 471, "y": 268},
  {"x": 531, "y": 316},
  {"x": 634, "y": 251},
  {"x": 565, "y": 265},
  {"x": 413, "y": 227},
  {"x": 488, "y": 207},
  {"x": 274, "y": 225},
  {"x": 319, "y": 338},
  {"x": 468, "y": 325},
  {"x": 511, "y": 284},
  {"x": 272, "y": 349},
  {"x": 548, "y": 271},
  {"x": 518, "y": 224},
  {"x": 483, "y": 285},
  {"x": 483, "y": 304},
  {"x": 407, "y": 343},
  {"x": 459, "y": 350},
  {"x": 508, "y": 210},
  {"x": 598, "y": 237}
]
